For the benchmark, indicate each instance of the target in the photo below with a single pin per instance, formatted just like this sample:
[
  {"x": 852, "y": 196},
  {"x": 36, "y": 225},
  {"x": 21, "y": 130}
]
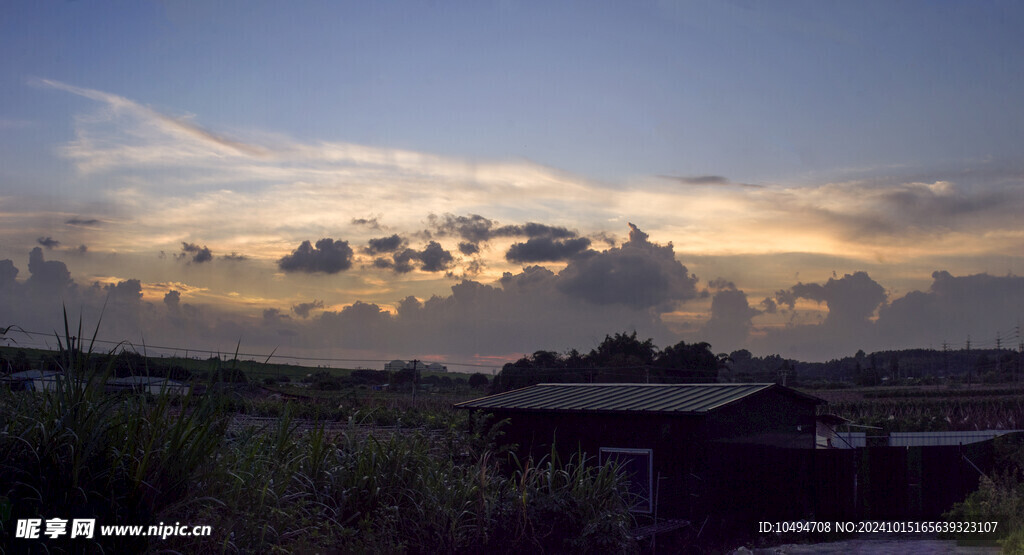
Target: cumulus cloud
[
  {"x": 127, "y": 291},
  {"x": 303, "y": 309},
  {"x": 953, "y": 308},
  {"x": 433, "y": 258},
  {"x": 172, "y": 299},
  {"x": 731, "y": 317},
  {"x": 475, "y": 229},
  {"x": 8, "y": 274},
  {"x": 199, "y": 254},
  {"x": 851, "y": 300},
  {"x": 848, "y": 325},
  {"x": 468, "y": 249},
  {"x": 546, "y": 249},
  {"x": 48, "y": 242},
  {"x": 522, "y": 313},
  {"x": 329, "y": 256},
  {"x": 47, "y": 275},
  {"x": 384, "y": 244},
  {"x": 639, "y": 274}
]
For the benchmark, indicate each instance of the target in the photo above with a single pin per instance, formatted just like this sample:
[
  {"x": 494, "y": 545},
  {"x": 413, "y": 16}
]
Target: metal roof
[{"x": 625, "y": 397}]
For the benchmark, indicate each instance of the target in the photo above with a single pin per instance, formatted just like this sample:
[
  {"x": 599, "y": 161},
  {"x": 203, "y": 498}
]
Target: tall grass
[{"x": 78, "y": 452}]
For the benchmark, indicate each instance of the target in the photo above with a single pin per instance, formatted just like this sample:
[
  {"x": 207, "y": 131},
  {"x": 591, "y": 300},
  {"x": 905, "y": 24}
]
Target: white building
[{"x": 394, "y": 366}]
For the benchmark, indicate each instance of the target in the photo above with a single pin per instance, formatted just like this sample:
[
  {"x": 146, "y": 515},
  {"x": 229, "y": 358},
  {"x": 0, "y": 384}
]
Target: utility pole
[
  {"x": 1020, "y": 354},
  {"x": 945, "y": 359},
  {"x": 970, "y": 369},
  {"x": 999, "y": 353},
  {"x": 415, "y": 377}
]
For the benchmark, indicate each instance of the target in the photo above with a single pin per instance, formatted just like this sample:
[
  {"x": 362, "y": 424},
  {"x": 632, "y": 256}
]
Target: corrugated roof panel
[{"x": 612, "y": 397}]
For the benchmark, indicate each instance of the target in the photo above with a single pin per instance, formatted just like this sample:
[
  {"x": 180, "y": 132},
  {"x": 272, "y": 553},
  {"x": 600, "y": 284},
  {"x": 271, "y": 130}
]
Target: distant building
[
  {"x": 437, "y": 367},
  {"x": 32, "y": 380},
  {"x": 147, "y": 384},
  {"x": 419, "y": 365},
  {"x": 396, "y": 365}
]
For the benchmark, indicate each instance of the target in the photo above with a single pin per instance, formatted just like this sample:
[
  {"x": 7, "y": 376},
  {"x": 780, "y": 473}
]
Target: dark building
[{"x": 692, "y": 450}]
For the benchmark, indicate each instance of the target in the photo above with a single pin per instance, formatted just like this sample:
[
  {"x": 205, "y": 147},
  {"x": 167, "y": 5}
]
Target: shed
[{"x": 690, "y": 448}]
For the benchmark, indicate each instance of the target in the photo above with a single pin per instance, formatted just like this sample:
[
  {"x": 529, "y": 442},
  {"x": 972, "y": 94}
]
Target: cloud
[
  {"x": 199, "y": 254},
  {"x": 475, "y": 229},
  {"x": 851, "y": 300},
  {"x": 274, "y": 315},
  {"x": 706, "y": 180},
  {"x": 8, "y": 273},
  {"x": 125, "y": 292},
  {"x": 371, "y": 223},
  {"x": 546, "y": 249},
  {"x": 384, "y": 244},
  {"x": 303, "y": 309},
  {"x": 329, "y": 256},
  {"x": 731, "y": 317},
  {"x": 522, "y": 313},
  {"x": 47, "y": 276},
  {"x": 954, "y": 308},
  {"x": 172, "y": 299},
  {"x": 180, "y": 128},
  {"x": 433, "y": 258},
  {"x": 48, "y": 242},
  {"x": 468, "y": 248},
  {"x": 235, "y": 257},
  {"x": 81, "y": 222},
  {"x": 639, "y": 274}
]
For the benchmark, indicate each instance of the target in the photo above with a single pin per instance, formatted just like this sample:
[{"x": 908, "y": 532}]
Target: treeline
[
  {"x": 125, "y": 363},
  {"x": 624, "y": 358},
  {"x": 919, "y": 366}
]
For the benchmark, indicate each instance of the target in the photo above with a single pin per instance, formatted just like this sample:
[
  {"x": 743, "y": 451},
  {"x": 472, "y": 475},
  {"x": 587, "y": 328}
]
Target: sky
[{"x": 468, "y": 182}]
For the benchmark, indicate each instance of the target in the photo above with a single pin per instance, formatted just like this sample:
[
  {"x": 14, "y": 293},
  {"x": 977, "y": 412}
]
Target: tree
[
  {"x": 689, "y": 363},
  {"x": 478, "y": 381}
]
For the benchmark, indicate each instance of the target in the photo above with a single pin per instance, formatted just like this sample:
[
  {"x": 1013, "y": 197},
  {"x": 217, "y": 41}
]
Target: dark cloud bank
[{"x": 597, "y": 293}]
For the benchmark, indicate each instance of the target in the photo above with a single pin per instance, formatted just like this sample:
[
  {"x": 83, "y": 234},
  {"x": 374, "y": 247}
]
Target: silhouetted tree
[{"x": 478, "y": 380}]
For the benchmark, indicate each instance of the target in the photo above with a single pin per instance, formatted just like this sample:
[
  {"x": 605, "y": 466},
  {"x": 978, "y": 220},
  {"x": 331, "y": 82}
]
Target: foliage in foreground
[
  {"x": 999, "y": 497},
  {"x": 80, "y": 453}
]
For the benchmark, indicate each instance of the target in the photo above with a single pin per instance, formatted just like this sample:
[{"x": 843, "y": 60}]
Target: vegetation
[
  {"x": 619, "y": 358},
  {"x": 1000, "y": 497},
  {"x": 78, "y": 452}
]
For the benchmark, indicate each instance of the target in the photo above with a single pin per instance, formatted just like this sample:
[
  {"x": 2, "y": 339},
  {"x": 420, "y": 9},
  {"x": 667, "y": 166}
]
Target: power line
[{"x": 147, "y": 346}]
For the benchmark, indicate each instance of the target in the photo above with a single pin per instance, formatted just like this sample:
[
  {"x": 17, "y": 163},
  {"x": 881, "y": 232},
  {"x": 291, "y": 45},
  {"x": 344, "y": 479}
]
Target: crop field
[
  {"x": 280, "y": 458},
  {"x": 280, "y": 484},
  {"x": 929, "y": 408}
]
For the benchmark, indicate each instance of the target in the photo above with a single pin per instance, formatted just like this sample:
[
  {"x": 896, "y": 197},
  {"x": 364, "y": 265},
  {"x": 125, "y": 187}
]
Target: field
[
  {"x": 928, "y": 408},
  {"x": 287, "y": 458},
  {"x": 287, "y": 485}
]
